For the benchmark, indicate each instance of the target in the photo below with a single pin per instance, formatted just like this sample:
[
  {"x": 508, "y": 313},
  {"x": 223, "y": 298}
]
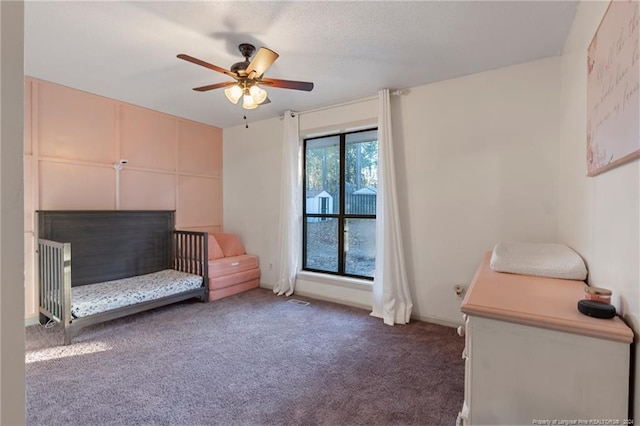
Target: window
[{"x": 340, "y": 190}]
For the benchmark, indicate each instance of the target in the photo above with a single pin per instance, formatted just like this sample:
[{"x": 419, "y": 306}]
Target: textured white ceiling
[{"x": 350, "y": 50}]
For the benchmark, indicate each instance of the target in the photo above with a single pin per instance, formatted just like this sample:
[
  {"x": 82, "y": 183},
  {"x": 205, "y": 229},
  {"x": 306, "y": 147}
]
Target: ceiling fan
[{"x": 248, "y": 76}]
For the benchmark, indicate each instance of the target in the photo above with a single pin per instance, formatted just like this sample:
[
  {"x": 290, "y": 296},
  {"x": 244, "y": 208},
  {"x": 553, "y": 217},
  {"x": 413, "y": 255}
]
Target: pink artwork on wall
[{"x": 613, "y": 96}]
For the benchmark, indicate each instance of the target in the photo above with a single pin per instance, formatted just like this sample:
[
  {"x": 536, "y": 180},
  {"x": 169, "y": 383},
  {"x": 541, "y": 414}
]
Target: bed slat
[
  {"x": 191, "y": 253},
  {"x": 55, "y": 279}
]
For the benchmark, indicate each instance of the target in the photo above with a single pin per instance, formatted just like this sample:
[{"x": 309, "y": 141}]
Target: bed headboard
[{"x": 110, "y": 244}]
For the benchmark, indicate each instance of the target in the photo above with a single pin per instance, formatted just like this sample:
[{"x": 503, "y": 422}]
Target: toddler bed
[{"x": 123, "y": 262}]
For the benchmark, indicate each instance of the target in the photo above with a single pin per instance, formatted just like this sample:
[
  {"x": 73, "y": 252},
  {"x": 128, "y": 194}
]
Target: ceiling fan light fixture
[
  {"x": 258, "y": 94},
  {"x": 248, "y": 102},
  {"x": 233, "y": 93},
  {"x": 248, "y": 76}
]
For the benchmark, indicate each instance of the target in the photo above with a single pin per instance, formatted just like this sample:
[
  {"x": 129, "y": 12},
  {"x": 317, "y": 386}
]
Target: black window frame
[{"x": 341, "y": 216}]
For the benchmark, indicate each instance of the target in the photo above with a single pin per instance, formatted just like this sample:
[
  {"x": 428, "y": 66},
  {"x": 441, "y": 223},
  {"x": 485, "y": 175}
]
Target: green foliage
[
  {"x": 323, "y": 166},
  {"x": 361, "y": 167}
]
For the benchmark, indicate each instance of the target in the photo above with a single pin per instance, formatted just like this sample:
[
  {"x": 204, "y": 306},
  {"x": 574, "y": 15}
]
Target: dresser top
[{"x": 539, "y": 302}]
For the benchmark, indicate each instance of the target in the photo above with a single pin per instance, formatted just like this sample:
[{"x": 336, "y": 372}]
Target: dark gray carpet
[{"x": 250, "y": 359}]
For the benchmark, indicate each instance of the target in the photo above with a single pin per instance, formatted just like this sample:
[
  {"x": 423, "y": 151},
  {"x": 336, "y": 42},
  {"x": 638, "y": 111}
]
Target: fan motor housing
[
  {"x": 247, "y": 50},
  {"x": 239, "y": 67}
]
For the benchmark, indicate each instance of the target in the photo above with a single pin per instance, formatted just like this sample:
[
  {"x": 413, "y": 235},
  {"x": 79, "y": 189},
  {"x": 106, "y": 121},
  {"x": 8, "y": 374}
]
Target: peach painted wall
[{"x": 72, "y": 140}]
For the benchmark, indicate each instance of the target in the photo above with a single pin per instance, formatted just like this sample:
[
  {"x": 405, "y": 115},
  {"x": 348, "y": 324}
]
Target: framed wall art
[{"x": 613, "y": 96}]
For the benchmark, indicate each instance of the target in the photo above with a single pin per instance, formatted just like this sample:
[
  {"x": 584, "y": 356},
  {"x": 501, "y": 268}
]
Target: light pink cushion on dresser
[{"x": 229, "y": 243}]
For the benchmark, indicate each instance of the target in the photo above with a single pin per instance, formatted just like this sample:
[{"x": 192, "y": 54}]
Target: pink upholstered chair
[{"x": 231, "y": 269}]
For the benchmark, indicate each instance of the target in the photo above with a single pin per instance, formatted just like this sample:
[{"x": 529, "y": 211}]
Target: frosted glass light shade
[
  {"x": 249, "y": 103},
  {"x": 233, "y": 93},
  {"x": 258, "y": 94}
]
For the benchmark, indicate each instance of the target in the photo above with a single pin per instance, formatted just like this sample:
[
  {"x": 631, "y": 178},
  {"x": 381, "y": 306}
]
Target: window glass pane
[
  {"x": 360, "y": 247},
  {"x": 322, "y": 175},
  {"x": 341, "y": 169},
  {"x": 361, "y": 172},
  {"x": 322, "y": 244}
]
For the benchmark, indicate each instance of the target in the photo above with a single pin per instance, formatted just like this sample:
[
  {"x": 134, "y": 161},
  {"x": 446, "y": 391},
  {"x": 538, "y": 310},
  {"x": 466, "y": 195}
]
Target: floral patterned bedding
[{"x": 95, "y": 298}]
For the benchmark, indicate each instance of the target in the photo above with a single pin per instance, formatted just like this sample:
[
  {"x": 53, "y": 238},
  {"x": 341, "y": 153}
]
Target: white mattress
[
  {"x": 538, "y": 259},
  {"x": 101, "y": 297}
]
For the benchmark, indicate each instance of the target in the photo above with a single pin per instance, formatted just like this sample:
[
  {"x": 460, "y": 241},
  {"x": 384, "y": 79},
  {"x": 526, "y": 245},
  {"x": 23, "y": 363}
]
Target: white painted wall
[
  {"x": 477, "y": 164},
  {"x": 12, "y": 390},
  {"x": 598, "y": 216},
  {"x": 252, "y": 159}
]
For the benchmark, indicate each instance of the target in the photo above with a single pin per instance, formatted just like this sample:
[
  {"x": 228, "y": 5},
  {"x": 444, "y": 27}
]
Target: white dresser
[{"x": 531, "y": 357}]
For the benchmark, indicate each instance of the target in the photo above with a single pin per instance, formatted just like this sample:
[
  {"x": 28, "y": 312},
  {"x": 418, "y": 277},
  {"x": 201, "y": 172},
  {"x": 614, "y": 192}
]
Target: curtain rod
[
  {"x": 397, "y": 92},
  {"x": 357, "y": 101}
]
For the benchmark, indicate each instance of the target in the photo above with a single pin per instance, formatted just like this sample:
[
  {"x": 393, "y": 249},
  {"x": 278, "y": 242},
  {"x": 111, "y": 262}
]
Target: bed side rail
[
  {"x": 190, "y": 253},
  {"x": 54, "y": 273}
]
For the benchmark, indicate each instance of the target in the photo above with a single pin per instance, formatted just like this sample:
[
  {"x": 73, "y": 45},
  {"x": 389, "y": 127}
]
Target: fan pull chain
[{"x": 246, "y": 125}]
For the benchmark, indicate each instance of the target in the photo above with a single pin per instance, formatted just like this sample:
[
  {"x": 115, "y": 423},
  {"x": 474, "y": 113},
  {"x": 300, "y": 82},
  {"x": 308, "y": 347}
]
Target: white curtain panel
[
  {"x": 391, "y": 296},
  {"x": 290, "y": 228}
]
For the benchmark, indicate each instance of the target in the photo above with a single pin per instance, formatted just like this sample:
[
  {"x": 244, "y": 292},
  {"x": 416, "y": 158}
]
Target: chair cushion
[
  {"x": 231, "y": 265},
  {"x": 229, "y": 243},
  {"x": 234, "y": 279},
  {"x": 215, "y": 252}
]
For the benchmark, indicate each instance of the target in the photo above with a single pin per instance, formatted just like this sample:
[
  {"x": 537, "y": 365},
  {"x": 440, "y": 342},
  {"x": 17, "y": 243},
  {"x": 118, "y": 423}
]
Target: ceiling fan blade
[
  {"x": 214, "y": 86},
  {"x": 261, "y": 62},
  {"x": 288, "y": 84},
  {"x": 206, "y": 65}
]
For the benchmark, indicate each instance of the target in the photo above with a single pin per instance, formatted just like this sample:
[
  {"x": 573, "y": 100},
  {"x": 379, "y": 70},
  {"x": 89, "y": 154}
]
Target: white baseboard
[
  {"x": 332, "y": 300},
  {"x": 31, "y": 321},
  {"x": 439, "y": 321},
  {"x": 267, "y": 286},
  {"x": 414, "y": 317}
]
